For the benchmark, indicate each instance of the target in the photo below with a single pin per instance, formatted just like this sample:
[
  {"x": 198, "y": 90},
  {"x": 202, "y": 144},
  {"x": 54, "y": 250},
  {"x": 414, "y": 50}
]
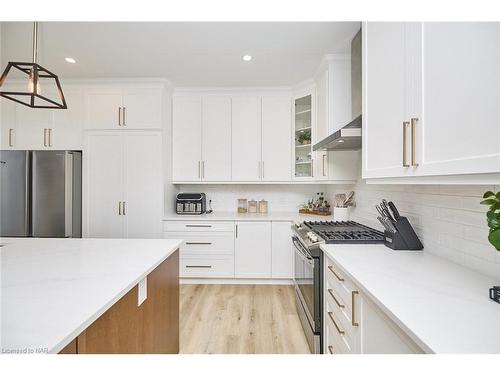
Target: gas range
[{"x": 314, "y": 233}]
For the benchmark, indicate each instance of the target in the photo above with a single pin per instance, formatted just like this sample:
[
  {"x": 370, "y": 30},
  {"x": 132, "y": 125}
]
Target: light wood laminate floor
[{"x": 242, "y": 319}]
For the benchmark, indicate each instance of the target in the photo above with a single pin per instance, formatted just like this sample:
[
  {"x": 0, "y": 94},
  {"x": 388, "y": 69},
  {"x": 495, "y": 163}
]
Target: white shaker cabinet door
[
  {"x": 186, "y": 138},
  {"x": 384, "y": 100},
  {"x": 8, "y": 125},
  {"x": 103, "y": 184},
  {"x": 66, "y": 130},
  {"x": 142, "y": 108},
  {"x": 143, "y": 182},
  {"x": 252, "y": 250},
  {"x": 216, "y": 144},
  {"x": 282, "y": 250},
  {"x": 246, "y": 139},
  {"x": 32, "y": 127},
  {"x": 460, "y": 129},
  {"x": 276, "y": 139},
  {"x": 102, "y": 109}
]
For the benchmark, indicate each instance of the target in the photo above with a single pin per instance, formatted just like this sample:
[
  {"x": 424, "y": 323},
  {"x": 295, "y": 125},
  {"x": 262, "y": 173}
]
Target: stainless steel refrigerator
[{"x": 40, "y": 193}]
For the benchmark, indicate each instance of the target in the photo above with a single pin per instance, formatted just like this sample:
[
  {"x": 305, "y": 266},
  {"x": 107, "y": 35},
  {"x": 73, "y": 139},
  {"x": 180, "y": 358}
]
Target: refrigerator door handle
[{"x": 68, "y": 194}]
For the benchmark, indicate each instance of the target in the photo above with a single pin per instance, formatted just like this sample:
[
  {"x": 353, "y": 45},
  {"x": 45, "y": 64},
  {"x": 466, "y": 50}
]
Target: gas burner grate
[{"x": 345, "y": 232}]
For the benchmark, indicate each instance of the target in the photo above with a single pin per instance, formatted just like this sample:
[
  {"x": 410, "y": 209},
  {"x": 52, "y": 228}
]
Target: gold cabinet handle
[
  {"x": 187, "y": 266},
  {"x": 199, "y": 169},
  {"x": 203, "y": 169},
  {"x": 124, "y": 212},
  {"x": 354, "y": 293},
  {"x": 119, "y": 208},
  {"x": 312, "y": 167},
  {"x": 263, "y": 170},
  {"x": 119, "y": 116},
  {"x": 10, "y": 137},
  {"x": 340, "y": 331},
  {"x": 124, "y": 116},
  {"x": 335, "y": 273},
  {"x": 45, "y": 137},
  {"x": 330, "y": 349},
  {"x": 50, "y": 137},
  {"x": 198, "y": 243},
  {"x": 413, "y": 124},
  {"x": 335, "y": 299},
  {"x": 324, "y": 157},
  {"x": 405, "y": 126}
]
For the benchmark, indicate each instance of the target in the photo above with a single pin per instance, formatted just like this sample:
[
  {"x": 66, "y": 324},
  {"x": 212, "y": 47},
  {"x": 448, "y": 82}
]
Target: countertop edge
[{"x": 64, "y": 342}]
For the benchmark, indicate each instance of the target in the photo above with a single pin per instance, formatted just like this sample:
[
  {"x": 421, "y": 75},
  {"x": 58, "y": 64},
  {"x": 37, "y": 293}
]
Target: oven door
[{"x": 304, "y": 280}]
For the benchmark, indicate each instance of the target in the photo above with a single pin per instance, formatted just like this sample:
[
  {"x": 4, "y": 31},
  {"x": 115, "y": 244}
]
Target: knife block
[{"x": 404, "y": 238}]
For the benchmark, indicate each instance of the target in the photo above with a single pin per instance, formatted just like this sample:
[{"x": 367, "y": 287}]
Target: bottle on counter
[
  {"x": 252, "y": 206},
  {"x": 263, "y": 206},
  {"x": 242, "y": 206}
]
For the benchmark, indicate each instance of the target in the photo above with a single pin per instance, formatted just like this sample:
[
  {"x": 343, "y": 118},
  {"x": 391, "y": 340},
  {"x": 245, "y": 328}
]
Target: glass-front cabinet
[{"x": 303, "y": 153}]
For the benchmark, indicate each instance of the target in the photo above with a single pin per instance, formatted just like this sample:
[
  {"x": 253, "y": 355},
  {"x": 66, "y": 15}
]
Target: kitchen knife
[
  {"x": 394, "y": 211},
  {"x": 387, "y": 214},
  {"x": 379, "y": 210},
  {"x": 385, "y": 207},
  {"x": 383, "y": 223},
  {"x": 391, "y": 226}
]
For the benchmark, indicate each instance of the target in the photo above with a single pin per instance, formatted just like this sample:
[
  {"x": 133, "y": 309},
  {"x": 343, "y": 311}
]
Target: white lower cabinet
[
  {"x": 234, "y": 250},
  {"x": 282, "y": 250},
  {"x": 353, "y": 324},
  {"x": 252, "y": 249},
  {"x": 123, "y": 185}
]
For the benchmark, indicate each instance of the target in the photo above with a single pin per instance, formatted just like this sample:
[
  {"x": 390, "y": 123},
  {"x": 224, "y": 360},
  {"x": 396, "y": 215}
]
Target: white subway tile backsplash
[{"x": 448, "y": 219}]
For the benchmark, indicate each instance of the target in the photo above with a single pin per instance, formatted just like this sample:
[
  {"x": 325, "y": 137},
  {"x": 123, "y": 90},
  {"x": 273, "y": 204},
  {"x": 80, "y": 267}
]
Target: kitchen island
[{"x": 89, "y": 295}]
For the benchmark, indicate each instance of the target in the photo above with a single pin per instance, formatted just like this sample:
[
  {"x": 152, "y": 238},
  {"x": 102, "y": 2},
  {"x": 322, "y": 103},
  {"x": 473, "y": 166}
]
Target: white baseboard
[{"x": 186, "y": 280}]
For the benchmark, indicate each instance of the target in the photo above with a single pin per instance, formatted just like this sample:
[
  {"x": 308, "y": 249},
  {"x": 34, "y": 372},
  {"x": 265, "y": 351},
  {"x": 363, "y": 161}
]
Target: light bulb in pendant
[{"x": 31, "y": 86}]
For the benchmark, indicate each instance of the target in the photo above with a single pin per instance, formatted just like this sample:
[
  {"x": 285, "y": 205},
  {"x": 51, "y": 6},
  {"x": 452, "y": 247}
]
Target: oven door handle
[{"x": 301, "y": 252}]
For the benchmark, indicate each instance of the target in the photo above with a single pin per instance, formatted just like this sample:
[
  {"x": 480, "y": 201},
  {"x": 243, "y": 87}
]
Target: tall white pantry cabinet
[{"x": 123, "y": 153}]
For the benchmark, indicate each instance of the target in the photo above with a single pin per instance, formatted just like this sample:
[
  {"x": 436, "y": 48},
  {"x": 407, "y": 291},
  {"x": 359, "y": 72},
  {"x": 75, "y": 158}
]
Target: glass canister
[
  {"x": 252, "y": 207},
  {"x": 263, "y": 206},
  {"x": 242, "y": 206}
]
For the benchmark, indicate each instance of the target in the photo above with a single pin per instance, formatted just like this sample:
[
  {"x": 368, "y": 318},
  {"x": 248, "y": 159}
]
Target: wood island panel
[{"x": 125, "y": 328}]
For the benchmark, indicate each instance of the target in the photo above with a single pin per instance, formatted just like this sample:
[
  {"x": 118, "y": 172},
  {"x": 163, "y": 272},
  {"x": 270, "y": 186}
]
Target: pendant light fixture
[{"x": 37, "y": 77}]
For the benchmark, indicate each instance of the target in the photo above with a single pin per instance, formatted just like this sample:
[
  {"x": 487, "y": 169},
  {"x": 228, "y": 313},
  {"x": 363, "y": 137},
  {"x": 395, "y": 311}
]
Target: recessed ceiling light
[
  {"x": 247, "y": 58},
  {"x": 70, "y": 60}
]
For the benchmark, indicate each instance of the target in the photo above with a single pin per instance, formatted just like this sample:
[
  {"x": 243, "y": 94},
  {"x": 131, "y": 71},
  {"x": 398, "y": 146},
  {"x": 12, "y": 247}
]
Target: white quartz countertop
[
  {"x": 442, "y": 306},
  {"x": 234, "y": 216},
  {"x": 53, "y": 289}
]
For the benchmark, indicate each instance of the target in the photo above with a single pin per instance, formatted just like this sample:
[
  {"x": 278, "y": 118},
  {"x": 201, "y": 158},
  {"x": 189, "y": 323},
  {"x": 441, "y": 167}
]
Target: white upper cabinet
[
  {"x": 384, "y": 98},
  {"x": 459, "y": 132},
  {"x": 304, "y": 161},
  {"x": 123, "y": 108},
  {"x": 186, "y": 138},
  {"x": 33, "y": 128},
  {"x": 8, "y": 125},
  {"x": 142, "y": 108},
  {"x": 103, "y": 109},
  {"x": 276, "y": 145},
  {"x": 216, "y": 143},
  {"x": 67, "y": 129},
  {"x": 246, "y": 138},
  {"x": 431, "y": 94}
]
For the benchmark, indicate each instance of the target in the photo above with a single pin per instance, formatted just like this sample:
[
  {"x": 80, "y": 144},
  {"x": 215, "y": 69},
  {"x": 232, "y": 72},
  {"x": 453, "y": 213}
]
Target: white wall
[
  {"x": 281, "y": 198},
  {"x": 448, "y": 219}
]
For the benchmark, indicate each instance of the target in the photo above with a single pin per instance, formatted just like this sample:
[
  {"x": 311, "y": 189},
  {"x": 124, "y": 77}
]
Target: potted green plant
[{"x": 493, "y": 217}]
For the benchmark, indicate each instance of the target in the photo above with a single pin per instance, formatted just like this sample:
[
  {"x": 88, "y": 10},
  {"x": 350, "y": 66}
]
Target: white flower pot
[{"x": 341, "y": 213}]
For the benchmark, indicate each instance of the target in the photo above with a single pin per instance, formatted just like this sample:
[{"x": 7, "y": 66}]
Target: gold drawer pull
[
  {"x": 341, "y": 332},
  {"x": 335, "y": 299},
  {"x": 413, "y": 123},
  {"x": 335, "y": 273},
  {"x": 405, "y": 126},
  {"x": 198, "y": 243},
  {"x": 198, "y": 266},
  {"x": 330, "y": 349},
  {"x": 354, "y": 293}
]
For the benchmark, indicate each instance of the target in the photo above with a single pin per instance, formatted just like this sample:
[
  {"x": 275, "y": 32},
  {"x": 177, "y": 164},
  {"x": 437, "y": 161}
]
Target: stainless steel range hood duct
[
  {"x": 349, "y": 137},
  {"x": 346, "y": 139}
]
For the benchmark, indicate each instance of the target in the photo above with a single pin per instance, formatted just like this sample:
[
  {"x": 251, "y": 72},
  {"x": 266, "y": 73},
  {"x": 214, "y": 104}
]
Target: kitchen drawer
[
  {"x": 340, "y": 330},
  {"x": 208, "y": 266},
  {"x": 198, "y": 226},
  {"x": 203, "y": 243},
  {"x": 337, "y": 280},
  {"x": 334, "y": 343},
  {"x": 343, "y": 300}
]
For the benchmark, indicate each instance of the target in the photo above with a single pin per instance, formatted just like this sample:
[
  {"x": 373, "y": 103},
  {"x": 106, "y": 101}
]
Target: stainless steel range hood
[{"x": 349, "y": 136}]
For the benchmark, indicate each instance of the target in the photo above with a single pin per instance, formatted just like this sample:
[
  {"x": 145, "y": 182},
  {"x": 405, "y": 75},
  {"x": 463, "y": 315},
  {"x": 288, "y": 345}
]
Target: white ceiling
[{"x": 188, "y": 54}]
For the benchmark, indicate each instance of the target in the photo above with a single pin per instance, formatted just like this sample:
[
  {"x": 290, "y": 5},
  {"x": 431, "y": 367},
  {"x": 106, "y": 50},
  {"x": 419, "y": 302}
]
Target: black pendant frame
[{"x": 35, "y": 73}]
